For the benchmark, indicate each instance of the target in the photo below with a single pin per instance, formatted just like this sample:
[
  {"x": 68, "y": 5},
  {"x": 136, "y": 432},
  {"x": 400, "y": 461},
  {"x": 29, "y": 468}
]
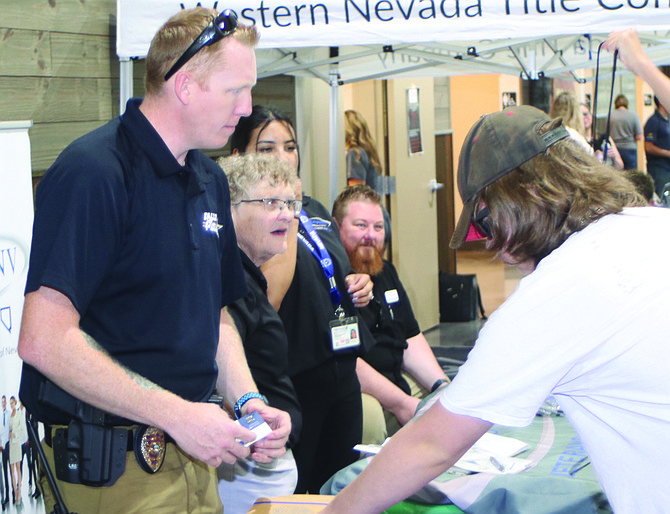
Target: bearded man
[{"x": 401, "y": 353}]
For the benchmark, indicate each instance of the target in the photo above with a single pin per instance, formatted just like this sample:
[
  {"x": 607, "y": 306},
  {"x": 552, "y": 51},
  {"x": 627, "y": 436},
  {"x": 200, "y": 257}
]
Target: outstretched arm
[
  {"x": 636, "y": 60},
  {"x": 419, "y": 452}
]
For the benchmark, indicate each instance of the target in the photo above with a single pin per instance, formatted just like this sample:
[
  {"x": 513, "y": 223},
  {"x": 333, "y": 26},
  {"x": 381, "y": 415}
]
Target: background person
[
  {"x": 626, "y": 131},
  {"x": 643, "y": 183},
  {"x": 657, "y": 146},
  {"x": 613, "y": 157},
  {"x": 363, "y": 163},
  {"x": 263, "y": 198},
  {"x": 17, "y": 431},
  {"x": 566, "y": 106},
  {"x": 406, "y": 366},
  {"x": 4, "y": 450},
  {"x": 133, "y": 261},
  {"x": 324, "y": 378},
  {"x": 583, "y": 324}
]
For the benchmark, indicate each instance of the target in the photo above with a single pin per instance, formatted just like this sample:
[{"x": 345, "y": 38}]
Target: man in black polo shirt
[
  {"x": 133, "y": 260},
  {"x": 402, "y": 367}
]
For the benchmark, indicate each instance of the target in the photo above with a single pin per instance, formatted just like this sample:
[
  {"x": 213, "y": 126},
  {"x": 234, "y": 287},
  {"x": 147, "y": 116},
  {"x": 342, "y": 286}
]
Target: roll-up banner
[{"x": 16, "y": 221}]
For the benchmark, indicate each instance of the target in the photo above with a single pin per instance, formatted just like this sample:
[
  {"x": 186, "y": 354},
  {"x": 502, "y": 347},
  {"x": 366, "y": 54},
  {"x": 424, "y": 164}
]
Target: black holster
[{"x": 89, "y": 451}]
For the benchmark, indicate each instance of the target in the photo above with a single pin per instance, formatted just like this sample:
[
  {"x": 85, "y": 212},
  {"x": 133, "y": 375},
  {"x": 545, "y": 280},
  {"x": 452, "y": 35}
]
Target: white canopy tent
[
  {"x": 393, "y": 38},
  {"x": 387, "y": 37}
]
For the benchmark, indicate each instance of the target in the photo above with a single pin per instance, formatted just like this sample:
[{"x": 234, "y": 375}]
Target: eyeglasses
[
  {"x": 223, "y": 25},
  {"x": 277, "y": 204},
  {"x": 482, "y": 222}
]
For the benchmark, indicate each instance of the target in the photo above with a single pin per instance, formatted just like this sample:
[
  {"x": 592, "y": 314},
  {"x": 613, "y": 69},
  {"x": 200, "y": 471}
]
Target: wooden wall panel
[
  {"x": 53, "y": 100},
  {"x": 74, "y": 16},
  {"x": 47, "y": 140},
  {"x": 24, "y": 52},
  {"x": 58, "y": 68},
  {"x": 83, "y": 55}
]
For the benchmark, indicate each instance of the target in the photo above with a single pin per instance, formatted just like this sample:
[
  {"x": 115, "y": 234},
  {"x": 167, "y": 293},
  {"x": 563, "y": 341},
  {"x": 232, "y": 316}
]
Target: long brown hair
[
  {"x": 566, "y": 106},
  {"x": 536, "y": 207},
  {"x": 357, "y": 135}
]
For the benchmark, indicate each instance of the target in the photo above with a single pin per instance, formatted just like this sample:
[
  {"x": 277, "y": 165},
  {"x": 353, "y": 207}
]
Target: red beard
[{"x": 367, "y": 259}]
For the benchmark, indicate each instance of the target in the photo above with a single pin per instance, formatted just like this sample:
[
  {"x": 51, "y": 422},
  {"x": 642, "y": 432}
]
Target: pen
[{"x": 580, "y": 464}]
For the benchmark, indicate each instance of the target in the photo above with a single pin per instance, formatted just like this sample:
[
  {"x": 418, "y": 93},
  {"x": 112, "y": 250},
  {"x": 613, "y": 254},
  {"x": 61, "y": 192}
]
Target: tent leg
[
  {"x": 125, "y": 83},
  {"x": 334, "y": 139}
]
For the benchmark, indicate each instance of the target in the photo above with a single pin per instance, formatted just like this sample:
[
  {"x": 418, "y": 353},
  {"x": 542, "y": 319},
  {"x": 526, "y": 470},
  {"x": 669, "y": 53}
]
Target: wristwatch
[
  {"x": 438, "y": 383},
  {"x": 244, "y": 399}
]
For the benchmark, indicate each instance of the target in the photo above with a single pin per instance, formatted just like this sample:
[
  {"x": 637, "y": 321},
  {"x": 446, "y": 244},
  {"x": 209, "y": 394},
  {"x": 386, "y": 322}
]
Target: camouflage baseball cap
[{"x": 497, "y": 144}]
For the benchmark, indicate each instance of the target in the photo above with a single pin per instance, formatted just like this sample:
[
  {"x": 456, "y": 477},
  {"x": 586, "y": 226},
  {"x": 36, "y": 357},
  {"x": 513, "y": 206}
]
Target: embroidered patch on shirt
[
  {"x": 210, "y": 222},
  {"x": 320, "y": 224}
]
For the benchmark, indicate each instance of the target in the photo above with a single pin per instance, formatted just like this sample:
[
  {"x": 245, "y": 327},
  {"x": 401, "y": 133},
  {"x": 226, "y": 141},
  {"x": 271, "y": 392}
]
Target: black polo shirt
[
  {"x": 657, "y": 131},
  {"x": 145, "y": 250},
  {"x": 390, "y": 318},
  {"x": 307, "y": 309},
  {"x": 266, "y": 346}
]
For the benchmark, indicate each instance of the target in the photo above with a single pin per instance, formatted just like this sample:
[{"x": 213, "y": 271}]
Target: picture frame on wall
[{"x": 509, "y": 99}]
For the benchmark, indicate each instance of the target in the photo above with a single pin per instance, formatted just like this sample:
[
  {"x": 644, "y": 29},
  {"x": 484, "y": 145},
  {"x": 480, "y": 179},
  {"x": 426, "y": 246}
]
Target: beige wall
[
  {"x": 413, "y": 209},
  {"x": 472, "y": 96},
  {"x": 312, "y": 125}
]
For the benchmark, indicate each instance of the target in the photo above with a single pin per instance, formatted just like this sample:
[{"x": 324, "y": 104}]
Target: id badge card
[{"x": 344, "y": 333}]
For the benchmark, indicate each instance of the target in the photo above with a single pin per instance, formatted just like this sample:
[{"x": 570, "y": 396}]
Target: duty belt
[{"x": 148, "y": 443}]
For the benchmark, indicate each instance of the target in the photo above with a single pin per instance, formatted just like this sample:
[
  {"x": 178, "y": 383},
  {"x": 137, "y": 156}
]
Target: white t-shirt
[{"x": 590, "y": 326}]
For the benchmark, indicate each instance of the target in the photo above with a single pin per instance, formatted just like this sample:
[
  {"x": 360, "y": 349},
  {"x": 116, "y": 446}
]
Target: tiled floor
[
  {"x": 453, "y": 334},
  {"x": 451, "y": 343}
]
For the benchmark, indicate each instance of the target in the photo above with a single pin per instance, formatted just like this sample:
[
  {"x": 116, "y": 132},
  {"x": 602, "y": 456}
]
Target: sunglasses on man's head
[{"x": 223, "y": 25}]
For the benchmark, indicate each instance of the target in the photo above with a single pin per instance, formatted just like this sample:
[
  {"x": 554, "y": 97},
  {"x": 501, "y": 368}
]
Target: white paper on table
[{"x": 492, "y": 453}]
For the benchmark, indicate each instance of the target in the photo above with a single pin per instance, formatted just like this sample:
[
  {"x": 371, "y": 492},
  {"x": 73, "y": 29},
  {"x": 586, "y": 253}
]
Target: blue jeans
[{"x": 629, "y": 158}]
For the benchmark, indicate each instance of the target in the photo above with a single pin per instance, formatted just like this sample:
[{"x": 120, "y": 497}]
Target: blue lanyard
[{"x": 321, "y": 253}]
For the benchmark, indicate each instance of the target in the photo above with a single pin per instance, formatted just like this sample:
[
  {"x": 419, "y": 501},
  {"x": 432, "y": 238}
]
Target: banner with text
[
  {"x": 358, "y": 22},
  {"x": 16, "y": 222}
]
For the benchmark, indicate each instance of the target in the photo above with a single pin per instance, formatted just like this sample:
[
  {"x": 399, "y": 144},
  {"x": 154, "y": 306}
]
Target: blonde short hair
[
  {"x": 176, "y": 35},
  {"x": 245, "y": 171}
]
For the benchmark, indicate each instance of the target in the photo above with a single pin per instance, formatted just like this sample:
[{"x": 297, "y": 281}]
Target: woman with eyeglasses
[
  {"x": 263, "y": 200},
  {"x": 316, "y": 292}
]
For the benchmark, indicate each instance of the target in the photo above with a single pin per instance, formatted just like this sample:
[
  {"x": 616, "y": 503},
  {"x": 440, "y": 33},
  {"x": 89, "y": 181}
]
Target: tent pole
[
  {"x": 334, "y": 129},
  {"x": 125, "y": 83}
]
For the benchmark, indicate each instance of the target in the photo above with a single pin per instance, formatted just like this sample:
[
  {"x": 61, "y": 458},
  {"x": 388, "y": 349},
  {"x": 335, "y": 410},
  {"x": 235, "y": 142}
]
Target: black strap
[
  {"x": 606, "y": 135},
  {"x": 481, "y": 304},
  {"x": 59, "y": 507},
  {"x": 48, "y": 437}
]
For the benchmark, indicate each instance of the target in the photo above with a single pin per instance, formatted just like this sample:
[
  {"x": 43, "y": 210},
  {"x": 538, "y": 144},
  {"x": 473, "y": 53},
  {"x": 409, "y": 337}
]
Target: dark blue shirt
[
  {"x": 145, "y": 250},
  {"x": 657, "y": 131}
]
